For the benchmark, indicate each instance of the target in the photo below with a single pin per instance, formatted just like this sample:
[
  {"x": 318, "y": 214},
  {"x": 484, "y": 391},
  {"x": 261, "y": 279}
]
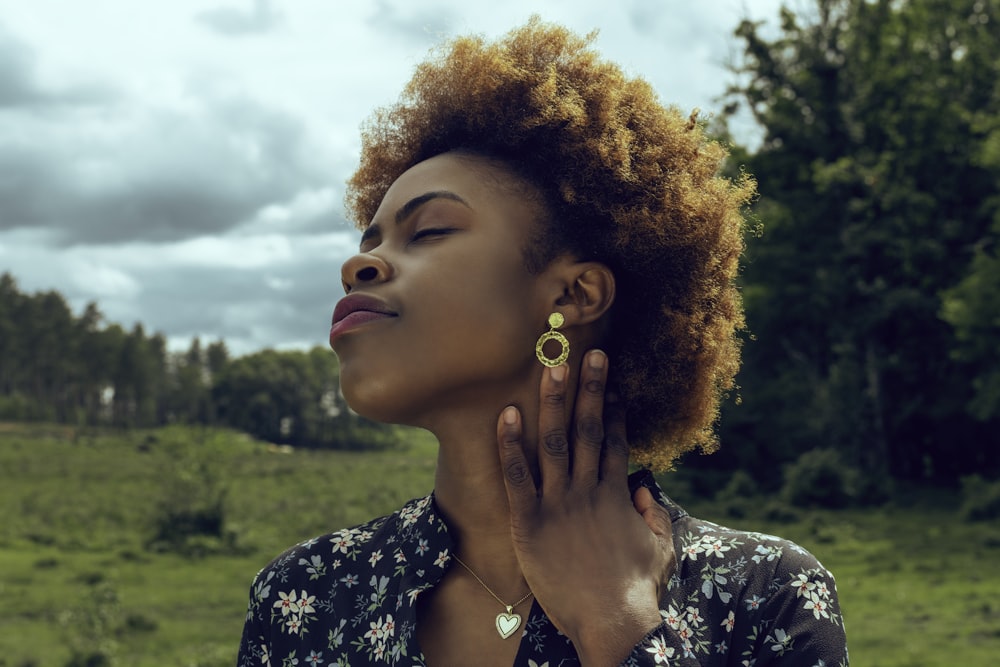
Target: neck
[
  {"x": 470, "y": 493},
  {"x": 469, "y": 487}
]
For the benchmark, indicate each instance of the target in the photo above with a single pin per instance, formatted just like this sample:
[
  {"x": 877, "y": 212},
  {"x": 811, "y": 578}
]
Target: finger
[
  {"x": 521, "y": 492},
  {"x": 588, "y": 419},
  {"x": 614, "y": 459},
  {"x": 553, "y": 446},
  {"x": 655, "y": 515}
]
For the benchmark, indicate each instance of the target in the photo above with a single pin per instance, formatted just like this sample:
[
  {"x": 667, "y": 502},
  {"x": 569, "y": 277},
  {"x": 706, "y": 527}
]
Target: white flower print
[
  {"x": 389, "y": 627},
  {"x": 802, "y": 585},
  {"x": 671, "y": 617},
  {"x": 375, "y": 631},
  {"x": 684, "y": 632},
  {"x": 286, "y": 602},
  {"x": 691, "y": 551},
  {"x": 304, "y": 603},
  {"x": 342, "y": 541},
  {"x": 729, "y": 621},
  {"x": 717, "y": 548},
  {"x": 362, "y": 608},
  {"x": 817, "y": 605},
  {"x": 661, "y": 652}
]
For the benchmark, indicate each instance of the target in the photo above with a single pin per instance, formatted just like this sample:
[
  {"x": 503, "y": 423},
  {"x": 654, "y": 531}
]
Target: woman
[{"x": 538, "y": 228}]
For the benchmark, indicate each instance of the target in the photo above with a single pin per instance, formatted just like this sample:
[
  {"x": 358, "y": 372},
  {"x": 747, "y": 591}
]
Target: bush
[
  {"x": 736, "y": 498},
  {"x": 980, "y": 499},
  {"x": 819, "y": 478},
  {"x": 780, "y": 512},
  {"x": 190, "y": 517},
  {"x": 739, "y": 487}
]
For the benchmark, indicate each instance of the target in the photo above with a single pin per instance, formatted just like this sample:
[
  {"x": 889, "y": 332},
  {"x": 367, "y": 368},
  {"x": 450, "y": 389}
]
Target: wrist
[{"x": 609, "y": 641}]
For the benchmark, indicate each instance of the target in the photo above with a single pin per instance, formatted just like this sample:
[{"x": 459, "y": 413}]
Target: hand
[{"x": 595, "y": 558}]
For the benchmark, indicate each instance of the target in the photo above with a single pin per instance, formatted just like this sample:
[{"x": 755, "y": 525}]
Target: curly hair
[{"x": 626, "y": 181}]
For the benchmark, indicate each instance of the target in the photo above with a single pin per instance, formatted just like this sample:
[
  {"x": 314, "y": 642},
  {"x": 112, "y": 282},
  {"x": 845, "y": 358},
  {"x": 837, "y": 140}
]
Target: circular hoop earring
[{"x": 556, "y": 320}]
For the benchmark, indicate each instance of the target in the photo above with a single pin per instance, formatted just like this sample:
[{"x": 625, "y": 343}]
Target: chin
[{"x": 373, "y": 399}]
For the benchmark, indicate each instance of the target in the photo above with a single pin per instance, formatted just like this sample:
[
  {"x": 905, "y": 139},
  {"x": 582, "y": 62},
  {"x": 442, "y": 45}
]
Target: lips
[{"x": 354, "y": 310}]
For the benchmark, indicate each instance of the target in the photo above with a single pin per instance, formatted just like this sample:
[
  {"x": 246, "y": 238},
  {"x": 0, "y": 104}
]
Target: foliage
[
  {"x": 973, "y": 308},
  {"x": 190, "y": 515},
  {"x": 980, "y": 499},
  {"x": 819, "y": 478},
  {"x": 739, "y": 492},
  {"x": 878, "y": 171}
]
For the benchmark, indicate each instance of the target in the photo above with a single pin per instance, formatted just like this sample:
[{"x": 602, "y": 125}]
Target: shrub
[
  {"x": 819, "y": 478},
  {"x": 780, "y": 512},
  {"x": 190, "y": 516},
  {"x": 980, "y": 499},
  {"x": 736, "y": 497},
  {"x": 739, "y": 487}
]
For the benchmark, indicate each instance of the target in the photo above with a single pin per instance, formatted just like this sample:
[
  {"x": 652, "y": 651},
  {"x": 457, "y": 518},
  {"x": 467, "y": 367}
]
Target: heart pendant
[{"x": 507, "y": 624}]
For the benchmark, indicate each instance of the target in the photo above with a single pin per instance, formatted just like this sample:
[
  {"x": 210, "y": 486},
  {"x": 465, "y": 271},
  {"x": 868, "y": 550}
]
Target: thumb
[{"x": 654, "y": 514}]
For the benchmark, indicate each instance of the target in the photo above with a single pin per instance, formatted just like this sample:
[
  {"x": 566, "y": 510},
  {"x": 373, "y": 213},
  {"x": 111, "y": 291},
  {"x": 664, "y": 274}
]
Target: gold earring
[{"x": 555, "y": 321}]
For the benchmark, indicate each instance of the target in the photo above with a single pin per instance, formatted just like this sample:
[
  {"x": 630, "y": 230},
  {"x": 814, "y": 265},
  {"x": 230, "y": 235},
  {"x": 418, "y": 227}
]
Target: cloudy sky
[{"x": 182, "y": 163}]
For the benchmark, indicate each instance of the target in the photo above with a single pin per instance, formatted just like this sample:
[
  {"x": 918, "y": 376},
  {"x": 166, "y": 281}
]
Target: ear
[{"x": 588, "y": 290}]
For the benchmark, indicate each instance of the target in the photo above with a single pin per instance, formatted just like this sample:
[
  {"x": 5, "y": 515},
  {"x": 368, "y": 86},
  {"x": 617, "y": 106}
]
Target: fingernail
[
  {"x": 558, "y": 373},
  {"x": 510, "y": 415},
  {"x": 596, "y": 360}
]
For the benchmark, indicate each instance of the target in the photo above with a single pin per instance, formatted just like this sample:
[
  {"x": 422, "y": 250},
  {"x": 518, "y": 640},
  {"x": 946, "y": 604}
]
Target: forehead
[{"x": 487, "y": 187}]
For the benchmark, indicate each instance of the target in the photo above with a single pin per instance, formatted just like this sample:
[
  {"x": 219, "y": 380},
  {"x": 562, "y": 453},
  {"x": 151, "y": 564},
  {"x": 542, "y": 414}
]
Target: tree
[{"x": 873, "y": 204}]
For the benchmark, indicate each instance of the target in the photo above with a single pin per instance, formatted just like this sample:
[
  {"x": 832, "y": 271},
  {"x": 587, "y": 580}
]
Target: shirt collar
[{"x": 426, "y": 545}]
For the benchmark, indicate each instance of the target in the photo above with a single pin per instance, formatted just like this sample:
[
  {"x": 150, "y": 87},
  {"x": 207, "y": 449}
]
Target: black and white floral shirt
[{"x": 349, "y": 599}]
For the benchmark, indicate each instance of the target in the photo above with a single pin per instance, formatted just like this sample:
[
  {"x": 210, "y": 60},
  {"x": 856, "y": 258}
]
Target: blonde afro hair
[{"x": 624, "y": 180}]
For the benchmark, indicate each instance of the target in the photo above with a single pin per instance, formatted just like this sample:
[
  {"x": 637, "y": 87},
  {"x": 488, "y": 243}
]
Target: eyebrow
[{"x": 407, "y": 209}]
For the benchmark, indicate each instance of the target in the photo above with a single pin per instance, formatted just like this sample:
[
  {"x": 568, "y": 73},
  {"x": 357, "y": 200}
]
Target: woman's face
[{"x": 441, "y": 311}]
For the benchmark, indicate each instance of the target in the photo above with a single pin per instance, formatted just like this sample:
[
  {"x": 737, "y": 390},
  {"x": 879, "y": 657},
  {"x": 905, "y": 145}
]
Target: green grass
[{"x": 77, "y": 510}]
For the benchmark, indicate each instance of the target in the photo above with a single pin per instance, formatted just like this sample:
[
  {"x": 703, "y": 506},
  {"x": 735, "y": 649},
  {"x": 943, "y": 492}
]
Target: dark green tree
[{"x": 873, "y": 204}]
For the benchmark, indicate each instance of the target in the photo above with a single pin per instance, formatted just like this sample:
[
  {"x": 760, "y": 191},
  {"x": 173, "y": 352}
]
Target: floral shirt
[{"x": 349, "y": 598}]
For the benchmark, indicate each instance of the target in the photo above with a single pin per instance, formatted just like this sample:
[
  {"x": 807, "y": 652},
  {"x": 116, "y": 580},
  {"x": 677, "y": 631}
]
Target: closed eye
[{"x": 431, "y": 232}]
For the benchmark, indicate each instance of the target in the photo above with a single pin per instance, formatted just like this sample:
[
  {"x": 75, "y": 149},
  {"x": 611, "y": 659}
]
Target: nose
[{"x": 362, "y": 268}]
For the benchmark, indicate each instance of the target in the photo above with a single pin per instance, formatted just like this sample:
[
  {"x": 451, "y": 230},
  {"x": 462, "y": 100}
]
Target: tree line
[{"x": 58, "y": 367}]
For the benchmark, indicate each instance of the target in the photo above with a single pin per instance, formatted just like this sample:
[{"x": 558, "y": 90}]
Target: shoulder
[
  {"x": 366, "y": 542},
  {"x": 325, "y": 592},
  {"x": 748, "y": 593},
  {"x": 752, "y": 568}
]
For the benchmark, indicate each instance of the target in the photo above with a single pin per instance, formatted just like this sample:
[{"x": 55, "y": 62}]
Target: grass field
[{"x": 84, "y": 581}]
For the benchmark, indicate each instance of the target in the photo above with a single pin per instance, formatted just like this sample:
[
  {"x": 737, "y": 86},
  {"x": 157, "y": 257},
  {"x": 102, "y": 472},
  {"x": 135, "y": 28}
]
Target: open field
[{"x": 82, "y": 575}]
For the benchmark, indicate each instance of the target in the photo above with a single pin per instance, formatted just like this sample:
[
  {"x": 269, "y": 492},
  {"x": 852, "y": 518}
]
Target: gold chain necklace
[{"x": 507, "y": 622}]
